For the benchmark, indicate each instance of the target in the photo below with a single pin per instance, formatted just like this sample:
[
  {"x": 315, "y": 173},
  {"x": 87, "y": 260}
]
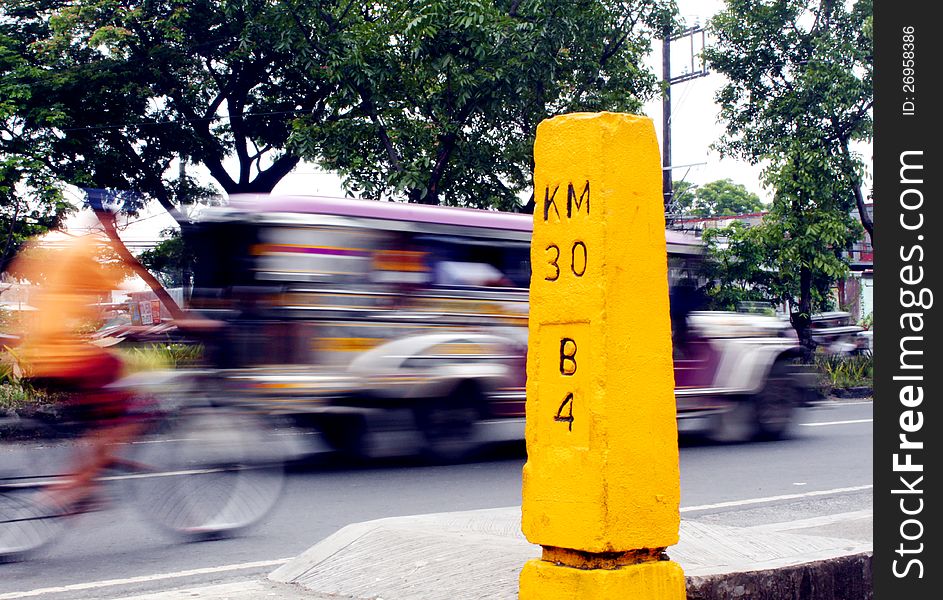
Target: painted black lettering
[
  {"x": 548, "y": 202},
  {"x": 571, "y": 197},
  {"x": 578, "y": 270},
  {"x": 553, "y": 262},
  {"x": 568, "y": 417},
  {"x": 567, "y": 356}
]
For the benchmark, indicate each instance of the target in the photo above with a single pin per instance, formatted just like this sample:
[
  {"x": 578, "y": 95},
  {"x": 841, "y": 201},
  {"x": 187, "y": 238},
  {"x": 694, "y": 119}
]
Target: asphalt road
[{"x": 825, "y": 469}]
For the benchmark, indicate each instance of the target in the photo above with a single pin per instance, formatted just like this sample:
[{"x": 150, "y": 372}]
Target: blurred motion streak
[
  {"x": 214, "y": 469},
  {"x": 360, "y": 318}
]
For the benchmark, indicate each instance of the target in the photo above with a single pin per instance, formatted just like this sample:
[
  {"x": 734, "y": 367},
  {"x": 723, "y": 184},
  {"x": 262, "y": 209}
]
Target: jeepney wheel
[
  {"x": 345, "y": 435},
  {"x": 776, "y": 405},
  {"x": 767, "y": 415},
  {"x": 738, "y": 424},
  {"x": 447, "y": 424}
]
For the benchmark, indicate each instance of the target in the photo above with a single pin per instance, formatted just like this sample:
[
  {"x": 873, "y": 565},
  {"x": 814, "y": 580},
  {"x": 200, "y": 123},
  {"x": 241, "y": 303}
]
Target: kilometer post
[{"x": 601, "y": 483}]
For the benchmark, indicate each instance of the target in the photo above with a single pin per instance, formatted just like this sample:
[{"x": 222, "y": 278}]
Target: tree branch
[
  {"x": 627, "y": 25},
  {"x": 866, "y": 221},
  {"x": 266, "y": 180},
  {"x": 214, "y": 159}
]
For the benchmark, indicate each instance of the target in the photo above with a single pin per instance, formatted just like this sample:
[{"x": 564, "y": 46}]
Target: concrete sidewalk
[{"x": 479, "y": 555}]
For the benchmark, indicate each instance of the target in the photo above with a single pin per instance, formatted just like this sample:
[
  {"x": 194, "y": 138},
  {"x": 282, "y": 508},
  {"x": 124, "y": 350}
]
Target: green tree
[
  {"x": 754, "y": 264},
  {"x": 723, "y": 198},
  {"x": 800, "y": 92},
  {"x": 810, "y": 223},
  {"x": 31, "y": 200},
  {"x": 736, "y": 267},
  {"x": 130, "y": 87},
  {"x": 31, "y": 204},
  {"x": 796, "y": 253},
  {"x": 682, "y": 197},
  {"x": 446, "y": 95},
  {"x": 171, "y": 260},
  {"x": 797, "y": 70},
  {"x": 119, "y": 91}
]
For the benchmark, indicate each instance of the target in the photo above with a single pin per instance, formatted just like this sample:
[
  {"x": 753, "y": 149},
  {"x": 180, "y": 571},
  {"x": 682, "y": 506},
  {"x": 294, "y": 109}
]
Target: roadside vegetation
[
  {"x": 154, "y": 357},
  {"x": 844, "y": 374},
  {"x": 17, "y": 394}
]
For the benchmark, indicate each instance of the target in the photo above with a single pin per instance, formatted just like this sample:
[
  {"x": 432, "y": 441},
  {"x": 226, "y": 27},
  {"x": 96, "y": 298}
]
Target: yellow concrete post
[{"x": 601, "y": 483}]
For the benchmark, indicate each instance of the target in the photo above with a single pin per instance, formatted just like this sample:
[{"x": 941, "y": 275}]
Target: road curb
[
  {"x": 832, "y": 579},
  {"x": 852, "y": 392}
]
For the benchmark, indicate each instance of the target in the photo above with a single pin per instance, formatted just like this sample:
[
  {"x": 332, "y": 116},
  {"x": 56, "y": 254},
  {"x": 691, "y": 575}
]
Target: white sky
[{"x": 694, "y": 129}]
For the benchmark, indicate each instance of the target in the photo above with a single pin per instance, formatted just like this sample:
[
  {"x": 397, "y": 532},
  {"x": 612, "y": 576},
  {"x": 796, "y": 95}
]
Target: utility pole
[{"x": 695, "y": 71}]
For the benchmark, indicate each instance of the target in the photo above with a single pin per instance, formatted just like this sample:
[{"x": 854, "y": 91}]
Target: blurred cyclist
[{"x": 57, "y": 357}]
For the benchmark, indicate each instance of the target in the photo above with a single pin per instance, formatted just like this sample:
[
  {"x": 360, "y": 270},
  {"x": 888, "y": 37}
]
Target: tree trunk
[
  {"x": 801, "y": 319},
  {"x": 7, "y": 257},
  {"x": 108, "y": 223},
  {"x": 866, "y": 220}
]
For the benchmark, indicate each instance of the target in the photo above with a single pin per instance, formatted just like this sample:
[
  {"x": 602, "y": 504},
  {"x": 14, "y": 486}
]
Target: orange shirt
[{"x": 74, "y": 281}]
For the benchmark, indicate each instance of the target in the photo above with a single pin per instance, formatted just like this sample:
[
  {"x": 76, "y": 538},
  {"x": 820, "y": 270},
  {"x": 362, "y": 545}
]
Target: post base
[{"x": 661, "y": 580}]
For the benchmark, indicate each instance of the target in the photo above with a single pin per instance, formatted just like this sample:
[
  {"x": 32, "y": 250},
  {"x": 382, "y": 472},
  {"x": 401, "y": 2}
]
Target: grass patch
[
  {"x": 16, "y": 394},
  {"x": 842, "y": 372},
  {"x": 155, "y": 357}
]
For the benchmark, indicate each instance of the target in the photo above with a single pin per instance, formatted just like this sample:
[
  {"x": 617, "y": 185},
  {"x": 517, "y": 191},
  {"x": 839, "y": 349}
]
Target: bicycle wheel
[
  {"x": 28, "y": 518},
  {"x": 211, "y": 472}
]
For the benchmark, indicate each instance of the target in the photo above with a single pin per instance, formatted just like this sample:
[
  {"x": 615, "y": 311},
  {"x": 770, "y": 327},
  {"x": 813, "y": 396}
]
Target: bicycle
[{"x": 204, "y": 468}]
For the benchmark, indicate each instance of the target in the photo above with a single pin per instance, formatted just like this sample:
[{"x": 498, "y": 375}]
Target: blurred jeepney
[
  {"x": 837, "y": 333},
  {"x": 344, "y": 314}
]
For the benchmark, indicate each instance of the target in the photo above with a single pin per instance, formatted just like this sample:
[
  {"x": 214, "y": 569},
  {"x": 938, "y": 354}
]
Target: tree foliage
[
  {"x": 446, "y": 95},
  {"x": 31, "y": 200},
  {"x": 735, "y": 268},
  {"x": 171, "y": 260},
  {"x": 753, "y": 264},
  {"x": 800, "y": 73},
  {"x": 796, "y": 253},
  {"x": 114, "y": 93},
  {"x": 433, "y": 101},
  {"x": 723, "y": 198},
  {"x": 121, "y": 90},
  {"x": 715, "y": 199},
  {"x": 800, "y": 92},
  {"x": 31, "y": 204}
]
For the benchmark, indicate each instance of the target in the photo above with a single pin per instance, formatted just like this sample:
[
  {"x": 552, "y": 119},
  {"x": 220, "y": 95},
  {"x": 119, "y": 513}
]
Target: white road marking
[
  {"x": 35, "y": 483},
  {"x": 92, "y": 585},
  {"x": 815, "y": 521},
  {"x": 161, "y": 474},
  {"x": 749, "y": 501},
  {"x": 823, "y": 423}
]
